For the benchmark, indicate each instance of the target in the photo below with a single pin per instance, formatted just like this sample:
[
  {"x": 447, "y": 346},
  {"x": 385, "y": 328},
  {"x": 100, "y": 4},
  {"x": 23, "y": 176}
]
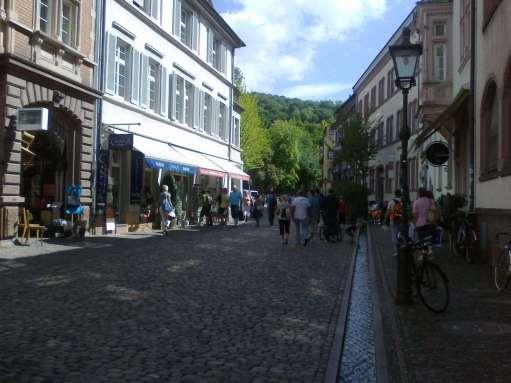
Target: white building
[{"x": 168, "y": 80}]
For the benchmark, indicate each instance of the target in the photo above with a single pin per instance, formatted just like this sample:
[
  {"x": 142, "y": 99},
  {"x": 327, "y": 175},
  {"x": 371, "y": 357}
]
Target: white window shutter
[
  {"x": 177, "y": 17},
  {"x": 195, "y": 32},
  {"x": 135, "y": 76},
  {"x": 216, "y": 119},
  {"x": 144, "y": 82},
  {"x": 111, "y": 43},
  {"x": 211, "y": 38},
  {"x": 173, "y": 84},
  {"x": 164, "y": 106},
  {"x": 196, "y": 108},
  {"x": 201, "y": 110},
  {"x": 223, "y": 58},
  {"x": 227, "y": 124},
  {"x": 155, "y": 9}
]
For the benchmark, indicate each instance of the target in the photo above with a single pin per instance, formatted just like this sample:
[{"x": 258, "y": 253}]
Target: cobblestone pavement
[
  {"x": 358, "y": 362},
  {"x": 224, "y": 304},
  {"x": 471, "y": 342}
]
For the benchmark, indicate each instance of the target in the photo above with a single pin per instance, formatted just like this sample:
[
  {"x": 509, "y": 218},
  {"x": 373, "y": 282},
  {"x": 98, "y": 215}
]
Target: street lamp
[{"x": 405, "y": 56}]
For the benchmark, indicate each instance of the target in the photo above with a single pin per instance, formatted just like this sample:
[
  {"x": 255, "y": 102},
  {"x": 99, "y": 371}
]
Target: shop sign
[
  {"x": 437, "y": 153},
  {"x": 120, "y": 141},
  {"x": 137, "y": 177},
  {"x": 170, "y": 166},
  {"x": 102, "y": 180},
  {"x": 32, "y": 119}
]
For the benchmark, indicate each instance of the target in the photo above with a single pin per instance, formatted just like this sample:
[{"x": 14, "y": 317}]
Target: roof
[{"x": 208, "y": 5}]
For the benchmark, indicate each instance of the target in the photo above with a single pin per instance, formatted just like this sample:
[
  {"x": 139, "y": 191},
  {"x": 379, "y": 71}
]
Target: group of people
[
  {"x": 224, "y": 201},
  {"x": 425, "y": 215}
]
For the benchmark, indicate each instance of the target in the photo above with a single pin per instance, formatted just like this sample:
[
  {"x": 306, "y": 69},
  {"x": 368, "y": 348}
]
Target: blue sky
[{"x": 310, "y": 49}]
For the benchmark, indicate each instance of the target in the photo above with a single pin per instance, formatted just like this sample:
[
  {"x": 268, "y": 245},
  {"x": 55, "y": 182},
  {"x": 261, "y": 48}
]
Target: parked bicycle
[
  {"x": 463, "y": 239},
  {"x": 430, "y": 282},
  {"x": 502, "y": 264}
]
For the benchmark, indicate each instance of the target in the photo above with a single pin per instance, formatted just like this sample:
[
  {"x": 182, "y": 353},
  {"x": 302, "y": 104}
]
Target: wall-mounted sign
[
  {"x": 120, "y": 141},
  {"x": 437, "y": 153},
  {"x": 170, "y": 166},
  {"x": 32, "y": 119}
]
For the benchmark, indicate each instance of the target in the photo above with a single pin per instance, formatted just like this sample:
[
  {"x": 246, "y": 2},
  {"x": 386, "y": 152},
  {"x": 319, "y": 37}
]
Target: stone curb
[{"x": 334, "y": 361}]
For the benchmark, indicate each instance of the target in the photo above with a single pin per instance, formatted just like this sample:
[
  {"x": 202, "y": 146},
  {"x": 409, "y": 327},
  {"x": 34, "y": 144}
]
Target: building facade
[
  {"x": 168, "y": 83},
  {"x": 48, "y": 60}
]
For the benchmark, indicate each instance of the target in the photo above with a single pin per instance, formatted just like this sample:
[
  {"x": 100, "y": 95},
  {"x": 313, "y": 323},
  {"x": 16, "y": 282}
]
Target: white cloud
[
  {"x": 283, "y": 36},
  {"x": 316, "y": 91}
]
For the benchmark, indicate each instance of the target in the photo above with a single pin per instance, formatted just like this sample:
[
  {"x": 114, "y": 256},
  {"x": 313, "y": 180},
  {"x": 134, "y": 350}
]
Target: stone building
[{"x": 48, "y": 60}]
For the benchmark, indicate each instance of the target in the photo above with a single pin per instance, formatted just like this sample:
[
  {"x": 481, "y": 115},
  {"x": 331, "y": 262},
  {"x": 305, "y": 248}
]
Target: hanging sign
[
  {"x": 437, "y": 153},
  {"x": 120, "y": 141}
]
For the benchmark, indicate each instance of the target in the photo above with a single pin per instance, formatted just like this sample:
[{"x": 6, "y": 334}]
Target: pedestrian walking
[
  {"x": 206, "y": 202},
  {"x": 300, "y": 212},
  {"x": 166, "y": 209},
  {"x": 271, "y": 203},
  {"x": 394, "y": 217},
  {"x": 247, "y": 205},
  {"x": 283, "y": 211},
  {"x": 343, "y": 212},
  {"x": 223, "y": 206},
  {"x": 315, "y": 210},
  {"x": 258, "y": 209},
  {"x": 331, "y": 216},
  {"x": 421, "y": 212},
  {"x": 235, "y": 202}
]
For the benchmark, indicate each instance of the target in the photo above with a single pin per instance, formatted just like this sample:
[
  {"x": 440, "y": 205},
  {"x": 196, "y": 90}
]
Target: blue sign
[
  {"x": 120, "y": 141},
  {"x": 170, "y": 166}
]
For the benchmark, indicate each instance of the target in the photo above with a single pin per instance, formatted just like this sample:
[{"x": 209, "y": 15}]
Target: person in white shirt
[{"x": 300, "y": 212}]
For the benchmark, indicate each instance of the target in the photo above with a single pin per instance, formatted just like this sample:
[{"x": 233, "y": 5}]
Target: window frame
[
  {"x": 436, "y": 65},
  {"x": 127, "y": 66},
  {"x": 74, "y": 22},
  {"x": 156, "y": 79}
]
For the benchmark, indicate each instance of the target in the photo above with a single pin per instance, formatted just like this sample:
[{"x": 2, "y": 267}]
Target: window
[
  {"x": 208, "y": 112},
  {"x": 465, "y": 31},
  {"x": 189, "y": 103},
  {"x": 490, "y": 128},
  {"x": 366, "y": 105},
  {"x": 390, "y": 130},
  {"x": 381, "y": 91},
  {"x": 68, "y": 22},
  {"x": 360, "y": 108},
  {"x": 390, "y": 83},
  {"x": 122, "y": 59},
  {"x": 180, "y": 99},
  {"x": 222, "y": 120},
  {"x": 380, "y": 135},
  {"x": 412, "y": 116},
  {"x": 184, "y": 101},
  {"x": 153, "y": 78},
  {"x": 373, "y": 98},
  {"x": 331, "y": 154},
  {"x": 439, "y": 29},
  {"x": 45, "y": 16},
  {"x": 186, "y": 27},
  {"x": 150, "y": 7},
  {"x": 439, "y": 62},
  {"x": 236, "y": 132}
]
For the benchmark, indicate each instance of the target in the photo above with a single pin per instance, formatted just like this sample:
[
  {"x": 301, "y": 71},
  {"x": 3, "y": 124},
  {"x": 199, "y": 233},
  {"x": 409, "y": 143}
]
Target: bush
[{"x": 355, "y": 196}]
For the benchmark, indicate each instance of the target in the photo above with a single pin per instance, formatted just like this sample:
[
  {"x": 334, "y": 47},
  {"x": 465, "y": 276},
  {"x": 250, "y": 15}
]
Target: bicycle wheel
[
  {"x": 433, "y": 287},
  {"x": 501, "y": 271}
]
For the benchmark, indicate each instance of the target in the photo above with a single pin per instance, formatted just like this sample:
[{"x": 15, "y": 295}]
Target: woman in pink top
[{"x": 421, "y": 208}]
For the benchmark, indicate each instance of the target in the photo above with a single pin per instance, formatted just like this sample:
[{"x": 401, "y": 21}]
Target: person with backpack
[
  {"x": 206, "y": 201},
  {"x": 271, "y": 202},
  {"x": 284, "y": 216},
  {"x": 166, "y": 209},
  {"x": 422, "y": 208},
  {"x": 394, "y": 217}
]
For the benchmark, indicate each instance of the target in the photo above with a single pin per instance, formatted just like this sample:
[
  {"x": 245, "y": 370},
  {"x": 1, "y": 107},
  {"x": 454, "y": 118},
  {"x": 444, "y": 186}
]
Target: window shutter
[
  {"x": 195, "y": 32},
  {"x": 111, "y": 42},
  {"x": 214, "y": 117},
  {"x": 223, "y": 57},
  {"x": 173, "y": 84},
  {"x": 177, "y": 17},
  {"x": 201, "y": 111},
  {"x": 164, "y": 107},
  {"x": 196, "y": 108},
  {"x": 155, "y": 8},
  {"x": 144, "y": 86},
  {"x": 210, "y": 46},
  {"x": 135, "y": 76}
]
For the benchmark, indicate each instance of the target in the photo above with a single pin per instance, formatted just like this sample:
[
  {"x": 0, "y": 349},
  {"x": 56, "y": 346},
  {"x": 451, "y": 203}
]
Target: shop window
[{"x": 489, "y": 129}]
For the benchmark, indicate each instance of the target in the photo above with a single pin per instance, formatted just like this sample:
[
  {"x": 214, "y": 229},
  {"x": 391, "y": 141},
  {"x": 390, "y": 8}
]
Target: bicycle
[
  {"x": 431, "y": 283},
  {"x": 502, "y": 265},
  {"x": 462, "y": 243}
]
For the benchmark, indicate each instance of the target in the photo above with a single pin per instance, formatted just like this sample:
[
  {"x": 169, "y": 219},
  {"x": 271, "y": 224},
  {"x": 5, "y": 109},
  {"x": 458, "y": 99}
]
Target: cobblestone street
[{"x": 225, "y": 304}]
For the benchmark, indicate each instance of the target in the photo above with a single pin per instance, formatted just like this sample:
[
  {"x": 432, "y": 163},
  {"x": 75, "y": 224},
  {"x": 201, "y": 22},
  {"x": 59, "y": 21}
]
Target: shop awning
[
  {"x": 159, "y": 155},
  {"x": 445, "y": 116},
  {"x": 231, "y": 168},
  {"x": 202, "y": 162}
]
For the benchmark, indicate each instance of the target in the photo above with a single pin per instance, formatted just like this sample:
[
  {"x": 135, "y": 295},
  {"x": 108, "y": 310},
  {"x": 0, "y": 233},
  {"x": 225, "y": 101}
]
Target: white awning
[
  {"x": 231, "y": 168},
  {"x": 202, "y": 162}
]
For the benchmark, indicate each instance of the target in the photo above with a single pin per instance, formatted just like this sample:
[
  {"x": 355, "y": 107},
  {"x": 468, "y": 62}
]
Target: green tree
[
  {"x": 285, "y": 137},
  {"x": 255, "y": 141},
  {"x": 357, "y": 148}
]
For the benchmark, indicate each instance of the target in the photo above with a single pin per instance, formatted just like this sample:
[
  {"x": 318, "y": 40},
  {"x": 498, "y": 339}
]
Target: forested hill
[{"x": 274, "y": 108}]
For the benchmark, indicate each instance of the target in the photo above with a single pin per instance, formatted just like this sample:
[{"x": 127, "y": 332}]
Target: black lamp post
[{"x": 405, "y": 56}]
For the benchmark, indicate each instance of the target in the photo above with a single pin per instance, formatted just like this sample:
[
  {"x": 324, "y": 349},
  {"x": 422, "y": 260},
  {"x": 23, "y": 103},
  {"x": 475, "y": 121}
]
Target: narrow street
[{"x": 220, "y": 304}]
